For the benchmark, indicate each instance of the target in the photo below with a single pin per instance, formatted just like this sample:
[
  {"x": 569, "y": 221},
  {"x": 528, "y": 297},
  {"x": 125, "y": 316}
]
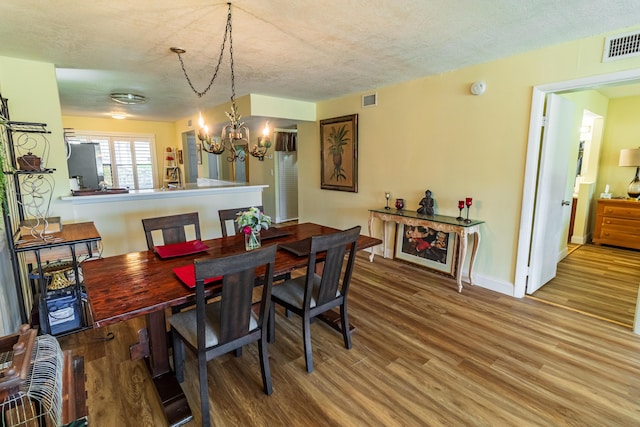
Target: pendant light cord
[{"x": 227, "y": 33}]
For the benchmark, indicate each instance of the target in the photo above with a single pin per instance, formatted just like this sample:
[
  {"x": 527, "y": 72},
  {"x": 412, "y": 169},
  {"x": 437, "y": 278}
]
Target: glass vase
[{"x": 252, "y": 241}]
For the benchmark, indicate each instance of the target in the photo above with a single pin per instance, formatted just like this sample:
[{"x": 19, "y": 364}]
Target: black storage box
[{"x": 64, "y": 313}]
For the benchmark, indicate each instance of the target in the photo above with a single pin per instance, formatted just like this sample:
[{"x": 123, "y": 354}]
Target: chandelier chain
[
  {"x": 233, "y": 77},
  {"x": 227, "y": 32}
]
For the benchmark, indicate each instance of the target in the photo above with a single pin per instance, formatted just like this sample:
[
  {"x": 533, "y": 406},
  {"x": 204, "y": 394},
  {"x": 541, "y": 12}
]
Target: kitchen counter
[
  {"x": 203, "y": 185},
  {"x": 118, "y": 217}
]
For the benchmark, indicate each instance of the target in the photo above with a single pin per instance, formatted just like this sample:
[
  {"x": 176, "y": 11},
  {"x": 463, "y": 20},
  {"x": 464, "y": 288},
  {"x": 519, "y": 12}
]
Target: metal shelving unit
[{"x": 27, "y": 196}]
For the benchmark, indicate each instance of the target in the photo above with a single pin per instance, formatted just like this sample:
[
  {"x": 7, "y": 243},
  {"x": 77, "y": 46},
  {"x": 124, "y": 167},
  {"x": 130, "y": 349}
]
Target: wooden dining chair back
[
  {"x": 230, "y": 215},
  {"x": 173, "y": 228},
  {"x": 229, "y": 323},
  {"x": 315, "y": 293}
]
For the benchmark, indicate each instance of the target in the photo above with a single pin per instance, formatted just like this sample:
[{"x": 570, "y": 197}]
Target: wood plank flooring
[
  {"x": 600, "y": 281},
  {"x": 423, "y": 355}
]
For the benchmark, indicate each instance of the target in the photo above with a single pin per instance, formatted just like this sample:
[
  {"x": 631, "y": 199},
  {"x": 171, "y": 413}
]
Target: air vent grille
[
  {"x": 621, "y": 46},
  {"x": 370, "y": 100}
]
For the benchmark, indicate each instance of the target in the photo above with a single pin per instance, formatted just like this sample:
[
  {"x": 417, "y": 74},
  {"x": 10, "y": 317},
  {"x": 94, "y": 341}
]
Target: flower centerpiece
[{"x": 250, "y": 223}]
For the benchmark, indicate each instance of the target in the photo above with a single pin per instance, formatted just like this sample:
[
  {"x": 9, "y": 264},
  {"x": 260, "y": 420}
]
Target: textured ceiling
[{"x": 304, "y": 49}]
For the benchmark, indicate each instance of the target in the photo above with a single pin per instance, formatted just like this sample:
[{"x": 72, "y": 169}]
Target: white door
[
  {"x": 287, "y": 184},
  {"x": 547, "y": 239},
  {"x": 189, "y": 157}
]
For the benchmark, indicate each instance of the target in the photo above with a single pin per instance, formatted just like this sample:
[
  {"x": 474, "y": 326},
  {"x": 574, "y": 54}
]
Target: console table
[{"x": 447, "y": 224}]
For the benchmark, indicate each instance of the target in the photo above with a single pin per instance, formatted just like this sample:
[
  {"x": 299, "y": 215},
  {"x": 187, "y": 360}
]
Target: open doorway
[
  {"x": 586, "y": 175},
  {"x": 527, "y": 242}
]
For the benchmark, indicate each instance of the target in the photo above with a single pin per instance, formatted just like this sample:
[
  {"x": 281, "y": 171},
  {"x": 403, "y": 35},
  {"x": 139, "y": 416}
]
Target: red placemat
[
  {"x": 179, "y": 249},
  {"x": 187, "y": 275}
]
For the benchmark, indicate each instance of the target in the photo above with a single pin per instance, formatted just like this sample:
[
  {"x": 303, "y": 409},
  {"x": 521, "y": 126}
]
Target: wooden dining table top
[{"x": 125, "y": 286}]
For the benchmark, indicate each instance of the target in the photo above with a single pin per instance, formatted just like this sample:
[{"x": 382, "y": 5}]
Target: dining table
[{"x": 127, "y": 286}]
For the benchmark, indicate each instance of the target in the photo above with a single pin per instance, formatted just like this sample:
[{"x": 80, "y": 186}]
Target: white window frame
[{"x": 91, "y": 136}]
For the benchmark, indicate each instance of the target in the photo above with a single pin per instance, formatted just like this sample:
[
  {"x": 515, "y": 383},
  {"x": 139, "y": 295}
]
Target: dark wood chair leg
[
  {"x": 238, "y": 351},
  {"x": 344, "y": 319},
  {"x": 204, "y": 389},
  {"x": 306, "y": 335},
  {"x": 264, "y": 364},
  {"x": 178, "y": 357},
  {"x": 271, "y": 334}
]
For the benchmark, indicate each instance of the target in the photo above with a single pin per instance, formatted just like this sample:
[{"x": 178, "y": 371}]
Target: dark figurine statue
[{"x": 426, "y": 204}]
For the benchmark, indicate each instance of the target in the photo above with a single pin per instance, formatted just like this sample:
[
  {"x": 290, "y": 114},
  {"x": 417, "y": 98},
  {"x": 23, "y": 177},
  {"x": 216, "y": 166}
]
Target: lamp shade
[{"x": 630, "y": 157}]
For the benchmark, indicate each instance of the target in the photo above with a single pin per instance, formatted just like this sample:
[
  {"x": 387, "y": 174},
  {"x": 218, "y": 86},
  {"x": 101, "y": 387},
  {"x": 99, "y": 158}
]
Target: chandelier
[{"x": 235, "y": 135}]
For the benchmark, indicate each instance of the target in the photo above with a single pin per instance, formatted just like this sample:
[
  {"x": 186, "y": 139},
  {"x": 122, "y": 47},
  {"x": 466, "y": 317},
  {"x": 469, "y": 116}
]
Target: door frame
[{"x": 527, "y": 214}]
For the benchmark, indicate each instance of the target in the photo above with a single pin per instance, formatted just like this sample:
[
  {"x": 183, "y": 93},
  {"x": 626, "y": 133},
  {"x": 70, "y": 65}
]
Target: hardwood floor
[
  {"x": 423, "y": 355},
  {"x": 600, "y": 281}
]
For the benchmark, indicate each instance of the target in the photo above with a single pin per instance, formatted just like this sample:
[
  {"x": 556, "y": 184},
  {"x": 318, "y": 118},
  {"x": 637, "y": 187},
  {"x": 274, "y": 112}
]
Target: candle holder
[
  {"x": 468, "y": 201},
  {"x": 387, "y": 195},
  {"x": 399, "y": 204},
  {"x": 460, "y": 207}
]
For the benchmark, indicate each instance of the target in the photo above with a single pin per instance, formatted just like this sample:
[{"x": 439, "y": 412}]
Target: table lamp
[{"x": 631, "y": 157}]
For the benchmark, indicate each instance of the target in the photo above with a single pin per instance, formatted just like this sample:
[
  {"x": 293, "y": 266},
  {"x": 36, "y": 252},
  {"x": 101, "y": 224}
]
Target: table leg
[
  {"x": 174, "y": 402},
  {"x": 462, "y": 251},
  {"x": 385, "y": 239},
  {"x": 370, "y": 234},
  {"x": 474, "y": 251},
  {"x": 158, "y": 346}
]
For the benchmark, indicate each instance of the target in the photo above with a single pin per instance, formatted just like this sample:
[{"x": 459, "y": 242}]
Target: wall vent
[
  {"x": 621, "y": 46},
  {"x": 370, "y": 100}
]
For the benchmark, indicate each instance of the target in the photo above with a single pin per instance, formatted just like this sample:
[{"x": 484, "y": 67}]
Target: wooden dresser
[{"x": 618, "y": 223}]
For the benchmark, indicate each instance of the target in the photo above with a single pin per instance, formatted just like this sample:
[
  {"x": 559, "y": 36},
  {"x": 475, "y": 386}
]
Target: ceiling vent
[
  {"x": 621, "y": 46},
  {"x": 370, "y": 100}
]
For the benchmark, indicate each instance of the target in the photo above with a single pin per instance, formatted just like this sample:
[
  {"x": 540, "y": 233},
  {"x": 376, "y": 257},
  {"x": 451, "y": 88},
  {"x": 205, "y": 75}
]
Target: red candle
[
  {"x": 460, "y": 204},
  {"x": 468, "y": 201}
]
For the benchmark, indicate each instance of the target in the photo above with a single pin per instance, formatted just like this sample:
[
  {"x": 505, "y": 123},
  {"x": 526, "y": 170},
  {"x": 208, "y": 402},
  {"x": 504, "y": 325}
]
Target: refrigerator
[{"x": 85, "y": 162}]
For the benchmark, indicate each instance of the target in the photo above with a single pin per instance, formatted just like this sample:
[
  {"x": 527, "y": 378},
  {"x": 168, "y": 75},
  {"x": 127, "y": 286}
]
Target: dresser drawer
[
  {"x": 621, "y": 224},
  {"x": 618, "y": 238},
  {"x": 610, "y": 232},
  {"x": 622, "y": 211}
]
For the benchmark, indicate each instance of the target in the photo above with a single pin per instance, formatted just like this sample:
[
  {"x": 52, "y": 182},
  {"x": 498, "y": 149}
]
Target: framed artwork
[
  {"x": 427, "y": 247},
  {"x": 180, "y": 159},
  {"x": 339, "y": 153},
  {"x": 199, "y": 152}
]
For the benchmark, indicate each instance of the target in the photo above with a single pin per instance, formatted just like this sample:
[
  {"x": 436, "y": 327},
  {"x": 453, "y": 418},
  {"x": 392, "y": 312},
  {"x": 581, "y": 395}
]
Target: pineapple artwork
[
  {"x": 339, "y": 153},
  {"x": 337, "y": 140}
]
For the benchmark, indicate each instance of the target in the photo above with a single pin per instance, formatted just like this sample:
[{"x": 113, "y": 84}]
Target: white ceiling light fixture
[
  {"x": 128, "y": 98},
  {"x": 235, "y": 135}
]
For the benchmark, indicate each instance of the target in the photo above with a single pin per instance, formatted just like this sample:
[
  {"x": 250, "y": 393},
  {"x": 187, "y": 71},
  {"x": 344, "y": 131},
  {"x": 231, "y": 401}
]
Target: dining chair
[
  {"x": 228, "y": 323},
  {"x": 315, "y": 293},
  {"x": 230, "y": 215},
  {"x": 173, "y": 228}
]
